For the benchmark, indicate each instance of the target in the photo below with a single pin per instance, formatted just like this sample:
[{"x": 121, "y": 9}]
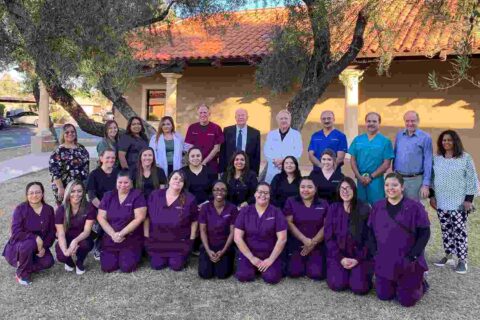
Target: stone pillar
[
  {"x": 350, "y": 79},
  {"x": 171, "y": 94},
  {"x": 43, "y": 141}
]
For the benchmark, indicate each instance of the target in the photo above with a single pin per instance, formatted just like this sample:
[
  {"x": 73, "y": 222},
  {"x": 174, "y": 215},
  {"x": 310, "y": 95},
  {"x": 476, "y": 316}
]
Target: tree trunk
[{"x": 120, "y": 103}]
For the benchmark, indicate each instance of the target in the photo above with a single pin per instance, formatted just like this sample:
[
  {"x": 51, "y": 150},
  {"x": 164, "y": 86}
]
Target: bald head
[
  {"x": 411, "y": 119},
  {"x": 328, "y": 119},
  {"x": 241, "y": 117}
]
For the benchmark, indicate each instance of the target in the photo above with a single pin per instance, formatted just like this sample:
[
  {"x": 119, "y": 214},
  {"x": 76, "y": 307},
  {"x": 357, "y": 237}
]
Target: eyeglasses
[
  {"x": 263, "y": 193},
  {"x": 70, "y": 132},
  {"x": 219, "y": 190},
  {"x": 346, "y": 189},
  {"x": 34, "y": 193}
]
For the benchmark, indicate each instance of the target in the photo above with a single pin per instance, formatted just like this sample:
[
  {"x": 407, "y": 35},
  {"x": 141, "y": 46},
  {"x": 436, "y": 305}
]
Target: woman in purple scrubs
[
  {"x": 349, "y": 263},
  {"x": 121, "y": 214},
  {"x": 74, "y": 220},
  {"x": 171, "y": 225},
  {"x": 260, "y": 235},
  {"x": 32, "y": 235},
  {"x": 305, "y": 216},
  {"x": 400, "y": 232},
  {"x": 216, "y": 221}
]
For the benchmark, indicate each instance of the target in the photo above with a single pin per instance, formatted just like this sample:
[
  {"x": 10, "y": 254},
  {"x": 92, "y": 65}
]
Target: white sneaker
[
  {"x": 79, "y": 271},
  {"x": 68, "y": 268}
]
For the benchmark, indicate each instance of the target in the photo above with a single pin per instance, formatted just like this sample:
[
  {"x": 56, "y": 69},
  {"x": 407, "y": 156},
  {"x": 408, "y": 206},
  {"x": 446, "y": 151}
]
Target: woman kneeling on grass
[
  {"x": 74, "y": 220},
  {"x": 400, "y": 230},
  {"x": 171, "y": 225},
  {"x": 32, "y": 235},
  {"x": 121, "y": 214},
  {"x": 216, "y": 221},
  {"x": 260, "y": 234}
]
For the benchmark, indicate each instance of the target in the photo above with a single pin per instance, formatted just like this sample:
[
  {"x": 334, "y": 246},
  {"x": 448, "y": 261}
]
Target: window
[{"x": 155, "y": 104}]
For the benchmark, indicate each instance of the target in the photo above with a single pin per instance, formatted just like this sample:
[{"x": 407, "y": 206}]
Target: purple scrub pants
[
  {"x": 84, "y": 247},
  {"x": 159, "y": 262},
  {"x": 408, "y": 288},
  {"x": 312, "y": 266},
  {"x": 23, "y": 256},
  {"x": 125, "y": 259},
  {"x": 247, "y": 271},
  {"x": 358, "y": 279},
  {"x": 222, "y": 269}
]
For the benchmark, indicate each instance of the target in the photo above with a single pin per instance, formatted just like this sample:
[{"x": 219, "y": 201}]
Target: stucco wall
[{"x": 228, "y": 88}]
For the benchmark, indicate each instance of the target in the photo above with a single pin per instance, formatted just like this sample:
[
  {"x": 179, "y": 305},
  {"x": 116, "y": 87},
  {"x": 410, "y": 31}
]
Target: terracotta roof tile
[{"x": 249, "y": 36}]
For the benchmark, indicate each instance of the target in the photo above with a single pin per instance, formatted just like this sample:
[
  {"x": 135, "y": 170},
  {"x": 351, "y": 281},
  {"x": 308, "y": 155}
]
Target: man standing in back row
[
  {"x": 327, "y": 138},
  {"x": 413, "y": 157},
  {"x": 241, "y": 137},
  {"x": 207, "y": 136},
  {"x": 372, "y": 154}
]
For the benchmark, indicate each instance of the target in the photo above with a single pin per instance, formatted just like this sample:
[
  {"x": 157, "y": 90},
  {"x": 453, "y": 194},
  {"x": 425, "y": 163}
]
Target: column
[
  {"x": 43, "y": 141},
  {"x": 171, "y": 94},
  {"x": 350, "y": 79}
]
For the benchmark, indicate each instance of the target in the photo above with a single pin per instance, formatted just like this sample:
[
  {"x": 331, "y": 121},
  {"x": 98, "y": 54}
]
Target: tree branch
[
  {"x": 160, "y": 17},
  {"x": 355, "y": 46}
]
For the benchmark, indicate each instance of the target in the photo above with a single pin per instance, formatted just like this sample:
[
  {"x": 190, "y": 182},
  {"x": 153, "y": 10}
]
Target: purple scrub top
[
  {"x": 309, "y": 221},
  {"x": 120, "y": 215},
  {"x": 340, "y": 243},
  {"x": 77, "y": 222},
  {"x": 170, "y": 226},
  {"x": 218, "y": 225},
  {"x": 393, "y": 242},
  {"x": 261, "y": 232},
  {"x": 27, "y": 225},
  {"x": 205, "y": 138}
]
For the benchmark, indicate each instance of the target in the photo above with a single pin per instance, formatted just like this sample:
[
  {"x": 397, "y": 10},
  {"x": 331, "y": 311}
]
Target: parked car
[
  {"x": 26, "y": 117},
  {"x": 108, "y": 115},
  {"x": 3, "y": 123}
]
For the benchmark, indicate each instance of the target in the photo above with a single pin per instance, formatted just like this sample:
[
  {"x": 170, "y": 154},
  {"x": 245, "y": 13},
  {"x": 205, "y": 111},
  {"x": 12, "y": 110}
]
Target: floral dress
[{"x": 67, "y": 165}]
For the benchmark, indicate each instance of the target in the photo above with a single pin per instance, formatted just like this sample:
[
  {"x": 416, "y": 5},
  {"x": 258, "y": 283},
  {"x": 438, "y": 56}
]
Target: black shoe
[{"x": 445, "y": 260}]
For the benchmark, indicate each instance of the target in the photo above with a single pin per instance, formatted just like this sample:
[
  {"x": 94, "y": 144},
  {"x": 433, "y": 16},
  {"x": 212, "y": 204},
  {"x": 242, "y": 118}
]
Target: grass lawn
[{"x": 148, "y": 294}]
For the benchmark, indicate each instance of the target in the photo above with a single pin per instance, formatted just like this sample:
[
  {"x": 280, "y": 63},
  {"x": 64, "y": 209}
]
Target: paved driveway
[{"x": 19, "y": 135}]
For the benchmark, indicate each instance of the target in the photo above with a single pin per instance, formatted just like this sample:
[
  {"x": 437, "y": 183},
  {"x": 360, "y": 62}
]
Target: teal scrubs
[{"x": 370, "y": 155}]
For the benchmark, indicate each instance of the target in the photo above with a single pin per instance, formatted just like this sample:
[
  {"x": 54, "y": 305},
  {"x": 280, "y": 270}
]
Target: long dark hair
[
  {"x": 142, "y": 133},
  {"x": 230, "y": 174},
  {"x": 105, "y": 133},
  {"x": 35, "y": 183},
  {"x": 297, "y": 172},
  {"x": 457, "y": 144},
  {"x": 68, "y": 206},
  {"x": 160, "y": 125},
  {"x": 356, "y": 218},
  {"x": 139, "y": 179}
]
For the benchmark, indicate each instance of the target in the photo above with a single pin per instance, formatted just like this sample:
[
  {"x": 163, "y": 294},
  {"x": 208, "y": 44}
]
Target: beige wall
[{"x": 228, "y": 88}]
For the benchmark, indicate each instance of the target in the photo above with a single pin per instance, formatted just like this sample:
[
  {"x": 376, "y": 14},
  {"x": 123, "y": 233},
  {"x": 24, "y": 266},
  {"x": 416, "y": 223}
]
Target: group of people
[{"x": 166, "y": 197}]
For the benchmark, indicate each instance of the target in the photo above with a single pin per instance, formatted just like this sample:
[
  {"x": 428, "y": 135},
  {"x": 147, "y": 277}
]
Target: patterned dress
[
  {"x": 453, "y": 180},
  {"x": 67, "y": 165}
]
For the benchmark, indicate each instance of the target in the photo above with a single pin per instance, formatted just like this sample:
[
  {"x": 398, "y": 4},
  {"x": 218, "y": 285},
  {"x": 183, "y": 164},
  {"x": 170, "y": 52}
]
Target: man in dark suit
[{"x": 241, "y": 137}]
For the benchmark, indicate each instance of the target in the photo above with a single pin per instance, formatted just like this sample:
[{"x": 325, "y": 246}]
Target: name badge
[
  {"x": 226, "y": 216},
  {"x": 271, "y": 218},
  {"x": 210, "y": 134},
  {"x": 128, "y": 204},
  {"x": 319, "y": 208},
  {"x": 179, "y": 207}
]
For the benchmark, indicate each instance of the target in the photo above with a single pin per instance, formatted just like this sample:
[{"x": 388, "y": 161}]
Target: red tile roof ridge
[{"x": 249, "y": 36}]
